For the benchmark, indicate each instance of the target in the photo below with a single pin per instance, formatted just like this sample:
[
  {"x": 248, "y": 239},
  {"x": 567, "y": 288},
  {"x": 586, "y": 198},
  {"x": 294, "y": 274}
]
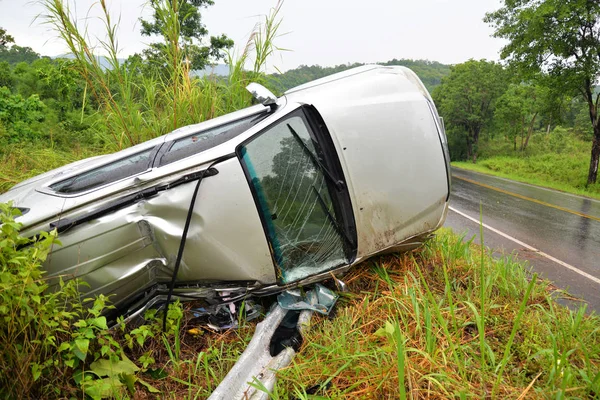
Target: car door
[{"x": 299, "y": 189}]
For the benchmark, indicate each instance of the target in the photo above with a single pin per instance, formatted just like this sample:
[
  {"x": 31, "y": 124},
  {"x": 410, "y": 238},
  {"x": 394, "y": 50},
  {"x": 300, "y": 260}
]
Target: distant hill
[
  {"x": 103, "y": 61},
  {"x": 216, "y": 69},
  {"x": 430, "y": 72}
]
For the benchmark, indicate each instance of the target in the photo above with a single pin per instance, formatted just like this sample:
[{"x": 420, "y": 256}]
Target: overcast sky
[{"x": 324, "y": 32}]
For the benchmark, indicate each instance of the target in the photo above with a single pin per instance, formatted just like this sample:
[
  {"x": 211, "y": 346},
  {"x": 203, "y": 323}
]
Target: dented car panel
[
  {"x": 330, "y": 174},
  {"x": 390, "y": 150}
]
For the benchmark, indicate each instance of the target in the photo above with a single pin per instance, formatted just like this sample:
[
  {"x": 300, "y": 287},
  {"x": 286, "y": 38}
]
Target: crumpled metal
[
  {"x": 226, "y": 316},
  {"x": 322, "y": 303}
]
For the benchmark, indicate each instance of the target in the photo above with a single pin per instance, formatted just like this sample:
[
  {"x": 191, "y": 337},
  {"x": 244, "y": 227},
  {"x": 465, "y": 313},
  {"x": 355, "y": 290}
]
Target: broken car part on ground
[{"x": 277, "y": 195}]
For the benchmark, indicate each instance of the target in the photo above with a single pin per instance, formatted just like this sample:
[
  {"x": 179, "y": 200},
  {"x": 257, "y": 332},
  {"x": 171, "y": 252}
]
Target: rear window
[
  {"x": 204, "y": 140},
  {"x": 106, "y": 174}
]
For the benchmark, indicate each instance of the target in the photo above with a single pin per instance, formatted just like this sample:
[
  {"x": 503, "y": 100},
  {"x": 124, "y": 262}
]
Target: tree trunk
[
  {"x": 474, "y": 145},
  {"x": 469, "y": 146},
  {"x": 530, "y": 131},
  {"x": 593, "y": 174},
  {"x": 548, "y": 130},
  {"x": 522, "y": 133}
]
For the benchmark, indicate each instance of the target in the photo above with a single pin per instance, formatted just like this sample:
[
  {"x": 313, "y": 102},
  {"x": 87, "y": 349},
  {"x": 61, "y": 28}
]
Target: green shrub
[
  {"x": 51, "y": 344},
  {"x": 19, "y": 115}
]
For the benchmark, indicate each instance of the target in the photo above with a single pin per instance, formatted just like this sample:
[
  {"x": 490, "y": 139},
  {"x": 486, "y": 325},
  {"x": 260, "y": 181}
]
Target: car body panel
[
  {"x": 389, "y": 146},
  {"x": 379, "y": 154}
]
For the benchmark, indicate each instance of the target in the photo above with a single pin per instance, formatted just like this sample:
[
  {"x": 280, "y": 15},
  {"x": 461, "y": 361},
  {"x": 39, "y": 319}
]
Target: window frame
[
  {"x": 252, "y": 120},
  {"x": 154, "y": 150},
  {"x": 327, "y": 155}
]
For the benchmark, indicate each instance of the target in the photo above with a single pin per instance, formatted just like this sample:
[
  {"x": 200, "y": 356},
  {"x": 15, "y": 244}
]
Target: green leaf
[
  {"x": 389, "y": 328},
  {"x": 64, "y": 346},
  {"x": 36, "y": 371},
  {"x": 112, "y": 368},
  {"x": 148, "y": 386},
  {"x": 78, "y": 376},
  {"x": 129, "y": 381},
  {"x": 380, "y": 332},
  {"x": 103, "y": 388},
  {"x": 81, "y": 323},
  {"x": 99, "y": 322},
  {"x": 81, "y": 348}
]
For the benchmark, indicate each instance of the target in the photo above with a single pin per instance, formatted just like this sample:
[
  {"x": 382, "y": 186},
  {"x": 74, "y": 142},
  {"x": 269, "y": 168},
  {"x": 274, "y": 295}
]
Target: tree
[
  {"x": 5, "y": 38},
  {"x": 561, "y": 38},
  {"x": 192, "y": 33},
  {"x": 522, "y": 105},
  {"x": 466, "y": 99},
  {"x": 6, "y": 77},
  {"x": 16, "y": 54}
]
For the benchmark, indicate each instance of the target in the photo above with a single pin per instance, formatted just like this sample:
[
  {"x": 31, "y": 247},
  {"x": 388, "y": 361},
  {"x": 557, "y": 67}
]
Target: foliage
[
  {"x": 135, "y": 106},
  {"x": 466, "y": 100},
  {"x": 561, "y": 38},
  {"x": 519, "y": 107},
  {"x": 5, "y": 38},
  {"x": 16, "y": 54},
  {"x": 53, "y": 343},
  {"x": 430, "y": 72},
  {"x": 557, "y": 159},
  {"x": 6, "y": 78},
  {"x": 191, "y": 32},
  {"x": 19, "y": 115}
]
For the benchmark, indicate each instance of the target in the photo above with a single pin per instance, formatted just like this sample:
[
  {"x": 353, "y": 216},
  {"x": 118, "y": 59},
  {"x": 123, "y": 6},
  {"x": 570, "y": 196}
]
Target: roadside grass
[
  {"x": 444, "y": 321},
  {"x": 560, "y": 172},
  {"x": 447, "y": 321},
  {"x": 559, "y": 160}
]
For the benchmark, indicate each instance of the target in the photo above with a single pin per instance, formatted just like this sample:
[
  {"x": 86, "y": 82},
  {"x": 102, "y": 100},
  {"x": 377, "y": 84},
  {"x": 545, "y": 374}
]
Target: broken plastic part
[
  {"x": 221, "y": 317},
  {"x": 341, "y": 285},
  {"x": 295, "y": 300}
]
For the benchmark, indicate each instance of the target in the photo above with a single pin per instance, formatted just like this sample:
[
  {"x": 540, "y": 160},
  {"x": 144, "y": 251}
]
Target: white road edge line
[{"x": 541, "y": 253}]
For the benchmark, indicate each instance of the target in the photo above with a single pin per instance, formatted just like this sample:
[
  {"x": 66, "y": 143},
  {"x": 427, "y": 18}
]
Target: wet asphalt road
[{"x": 565, "y": 227}]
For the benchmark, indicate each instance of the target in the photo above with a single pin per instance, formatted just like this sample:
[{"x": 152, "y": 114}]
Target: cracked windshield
[{"x": 294, "y": 200}]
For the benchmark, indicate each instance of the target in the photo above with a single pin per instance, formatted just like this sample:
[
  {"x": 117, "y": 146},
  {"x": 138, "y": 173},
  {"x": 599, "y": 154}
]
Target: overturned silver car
[{"x": 276, "y": 195}]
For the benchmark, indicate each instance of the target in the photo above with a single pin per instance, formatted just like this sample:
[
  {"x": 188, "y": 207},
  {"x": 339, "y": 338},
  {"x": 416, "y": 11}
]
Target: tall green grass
[
  {"x": 558, "y": 160},
  {"x": 125, "y": 106},
  {"x": 448, "y": 323},
  {"x": 135, "y": 107}
]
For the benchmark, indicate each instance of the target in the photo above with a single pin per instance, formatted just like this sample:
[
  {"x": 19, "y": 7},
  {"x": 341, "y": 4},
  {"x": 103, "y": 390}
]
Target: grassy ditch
[
  {"x": 447, "y": 321},
  {"x": 558, "y": 160},
  {"x": 444, "y": 321},
  {"x": 537, "y": 171}
]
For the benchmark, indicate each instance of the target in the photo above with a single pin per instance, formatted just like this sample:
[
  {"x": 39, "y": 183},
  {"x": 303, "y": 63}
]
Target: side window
[
  {"x": 113, "y": 172},
  {"x": 293, "y": 196},
  {"x": 200, "y": 141}
]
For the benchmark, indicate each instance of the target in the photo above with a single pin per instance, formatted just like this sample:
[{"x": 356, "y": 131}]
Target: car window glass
[
  {"x": 113, "y": 172},
  {"x": 200, "y": 141},
  {"x": 293, "y": 198}
]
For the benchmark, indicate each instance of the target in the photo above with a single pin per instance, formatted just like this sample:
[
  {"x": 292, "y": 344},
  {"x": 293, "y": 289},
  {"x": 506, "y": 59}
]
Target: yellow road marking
[{"x": 527, "y": 198}]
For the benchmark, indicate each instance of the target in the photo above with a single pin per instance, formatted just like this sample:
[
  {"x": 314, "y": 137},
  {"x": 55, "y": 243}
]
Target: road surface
[{"x": 557, "y": 233}]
